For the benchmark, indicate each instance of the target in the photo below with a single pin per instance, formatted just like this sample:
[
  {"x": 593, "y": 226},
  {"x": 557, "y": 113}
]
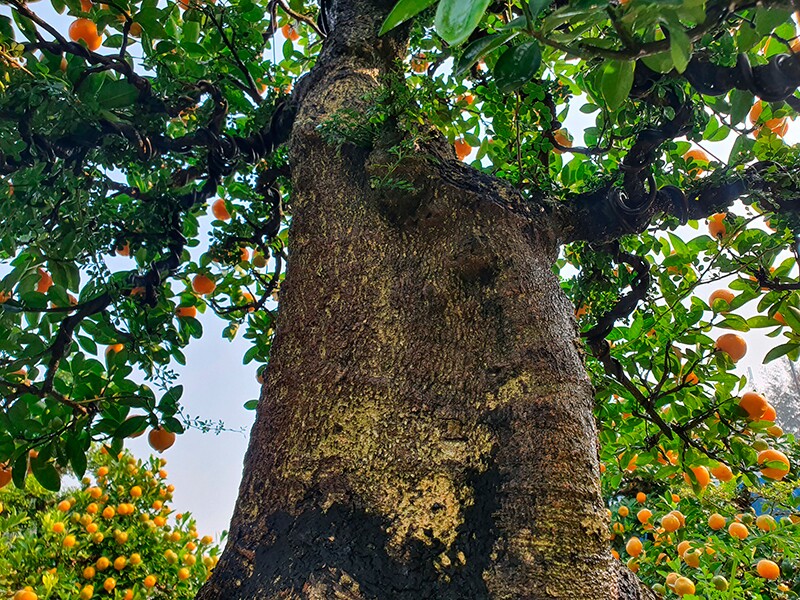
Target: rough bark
[{"x": 426, "y": 427}]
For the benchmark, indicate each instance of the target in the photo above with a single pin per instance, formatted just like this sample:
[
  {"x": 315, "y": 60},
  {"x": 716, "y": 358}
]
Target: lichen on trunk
[{"x": 426, "y": 427}]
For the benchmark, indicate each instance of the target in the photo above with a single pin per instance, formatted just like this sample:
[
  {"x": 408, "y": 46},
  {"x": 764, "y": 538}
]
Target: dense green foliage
[{"x": 123, "y": 149}]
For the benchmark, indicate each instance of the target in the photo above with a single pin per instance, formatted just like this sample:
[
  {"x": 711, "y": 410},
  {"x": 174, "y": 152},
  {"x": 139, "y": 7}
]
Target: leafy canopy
[{"x": 680, "y": 106}]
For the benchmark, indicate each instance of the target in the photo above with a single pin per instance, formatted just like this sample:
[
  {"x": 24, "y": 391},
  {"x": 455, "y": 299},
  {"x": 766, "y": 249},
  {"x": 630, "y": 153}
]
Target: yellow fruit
[
  {"x": 86, "y": 593},
  {"x": 183, "y": 574},
  {"x": 120, "y": 562},
  {"x": 109, "y": 584},
  {"x": 136, "y": 492},
  {"x": 755, "y": 405},
  {"x": 69, "y": 541},
  {"x": 58, "y": 527},
  {"x": 102, "y": 563},
  {"x": 623, "y": 511},
  {"x": 700, "y": 474},
  {"x": 643, "y": 516},
  {"x": 88, "y": 572},
  {"x": 722, "y": 472},
  {"x": 149, "y": 581},
  {"x": 135, "y": 559}
]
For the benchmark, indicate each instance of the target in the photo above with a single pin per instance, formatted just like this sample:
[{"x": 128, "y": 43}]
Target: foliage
[
  {"x": 121, "y": 151},
  {"x": 111, "y": 529}
]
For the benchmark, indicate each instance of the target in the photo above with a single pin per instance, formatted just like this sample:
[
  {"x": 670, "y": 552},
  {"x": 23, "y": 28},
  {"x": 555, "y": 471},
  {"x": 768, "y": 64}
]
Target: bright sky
[{"x": 206, "y": 468}]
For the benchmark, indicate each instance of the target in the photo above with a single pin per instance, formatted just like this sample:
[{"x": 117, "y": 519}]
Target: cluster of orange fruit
[
  {"x": 689, "y": 552},
  {"x": 103, "y": 523}
]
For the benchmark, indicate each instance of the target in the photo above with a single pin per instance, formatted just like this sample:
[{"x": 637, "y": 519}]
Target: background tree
[
  {"x": 426, "y": 427},
  {"x": 114, "y": 537},
  {"x": 780, "y": 384}
]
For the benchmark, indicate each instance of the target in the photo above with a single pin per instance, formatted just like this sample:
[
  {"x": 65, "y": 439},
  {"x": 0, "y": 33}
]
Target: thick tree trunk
[{"x": 426, "y": 428}]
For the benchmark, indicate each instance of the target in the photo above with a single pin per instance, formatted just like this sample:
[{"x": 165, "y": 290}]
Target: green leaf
[
  {"x": 251, "y": 404},
  {"x": 457, "y": 19},
  {"x": 660, "y": 63},
  {"x": 480, "y": 48},
  {"x": 616, "y": 82},
  {"x": 538, "y": 6},
  {"x": 680, "y": 47},
  {"x": 741, "y": 103},
  {"x": 779, "y": 351},
  {"x": 77, "y": 456},
  {"x": 517, "y": 66},
  {"x": 117, "y": 94},
  {"x": 45, "y": 473},
  {"x": 130, "y": 426},
  {"x": 403, "y": 11}
]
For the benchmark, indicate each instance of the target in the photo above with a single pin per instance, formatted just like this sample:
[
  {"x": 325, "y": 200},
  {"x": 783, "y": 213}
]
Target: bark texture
[{"x": 426, "y": 427}]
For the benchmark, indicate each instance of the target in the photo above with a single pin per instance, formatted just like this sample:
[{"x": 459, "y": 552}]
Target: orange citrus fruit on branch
[
  {"x": 220, "y": 210},
  {"x": 768, "y": 569},
  {"x": 755, "y": 405},
  {"x": 203, "y": 285},
  {"x": 733, "y": 345},
  {"x": 84, "y": 30},
  {"x": 462, "y": 148},
  {"x": 723, "y": 294},
  {"x": 773, "y": 456},
  {"x": 160, "y": 439}
]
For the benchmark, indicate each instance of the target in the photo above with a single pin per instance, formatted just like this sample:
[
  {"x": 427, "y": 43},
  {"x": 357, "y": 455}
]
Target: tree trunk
[{"x": 426, "y": 427}]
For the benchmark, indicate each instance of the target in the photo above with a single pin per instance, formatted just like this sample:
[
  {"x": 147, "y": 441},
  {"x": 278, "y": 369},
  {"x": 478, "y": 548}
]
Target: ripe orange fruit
[
  {"x": 768, "y": 569},
  {"x": 418, "y": 63},
  {"x": 670, "y": 523},
  {"x": 108, "y": 512},
  {"x": 697, "y": 156},
  {"x": 183, "y": 574},
  {"x": 58, "y": 527},
  {"x": 462, "y": 148},
  {"x": 633, "y": 547},
  {"x": 64, "y": 506},
  {"x": 641, "y": 497},
  {"x": 220, "y": 210},
  {"x": 769, "y": 414},
  {"x": 94, "y": 492},
  {"x": 754, "y": 405},
  {"x": 26, "y": 595},
  {"x": 777, "y": 126},
  {"x": 755, "y": 112},
  {"x": 692, "y": 558},
  {"x": 114, "y": 349},
  {"x": 701, "y": 475},
  {"x": 84, "y": 30},
  {"x": 733, "y": 345},
  {"x": 102, "y": 563},
  {"x": 683, "y": 586},
  {"x": 738, "y": 530},
  {"x": 136, "y": 492},
  {"x": 109, "y": 584},
  {"x": 69, "y": 541},
  {"x": 203, "y": 285},
  {"x": 716, "y": 521},
  {"x": 45, "y": 281},
  {"x": 160, "y": 439},
  {"x": 767, "y": 456},
  {"x": 124, "y": 250},
  {"x": 149, "y": 581},
  {"x": 684, "y": 547},
  {"x": 722, "y": 472},
  {"x": 290, "y": 33},
  {"x": 562, "y": 138},
  {"x": 643, "y": 516},
  {"x": 186, "y": 311},
  {"x": 766, "y": 522},
  {"x": 725, "y": 295},
  {"x": 120, "y": 562},
  {"x": 86, "y": 592},
  {"x": 623, "y": 511}
]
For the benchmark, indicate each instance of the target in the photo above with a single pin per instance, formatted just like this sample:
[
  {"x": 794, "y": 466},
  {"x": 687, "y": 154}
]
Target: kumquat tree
[
  {"x": 114, "y": 537},
  {"x": 516, "y": 246}
]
